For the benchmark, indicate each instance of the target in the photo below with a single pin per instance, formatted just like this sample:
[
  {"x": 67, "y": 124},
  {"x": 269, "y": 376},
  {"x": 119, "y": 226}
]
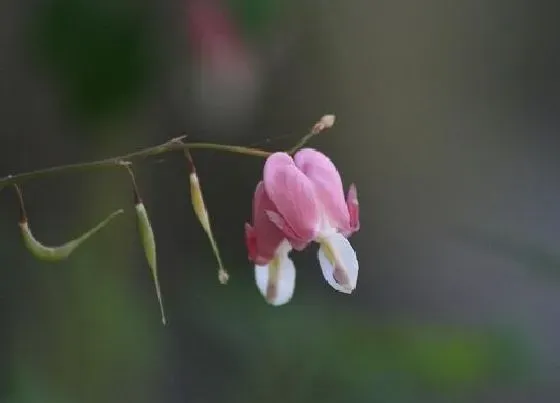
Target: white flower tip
[
  {"x": 339, "y": 263},
  {"x": 271, "y": 294},
  {"x": 343, "y": 281},
  {"x": 276, "y": 280}
]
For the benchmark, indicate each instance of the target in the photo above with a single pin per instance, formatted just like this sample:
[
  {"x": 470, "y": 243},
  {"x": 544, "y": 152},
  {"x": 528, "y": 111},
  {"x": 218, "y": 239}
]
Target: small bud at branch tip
[{"x": 326, "y": 122}]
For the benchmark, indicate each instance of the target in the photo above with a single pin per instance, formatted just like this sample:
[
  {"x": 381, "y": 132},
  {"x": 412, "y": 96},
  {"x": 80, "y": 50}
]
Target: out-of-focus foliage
[
  {"x": 98, "y": 341},
  {"x": 255, "y": 16},
  {"x": 533, "y": 256},
  {"x": 310, "y": 351},
  {"x": 103, "y": 54}
]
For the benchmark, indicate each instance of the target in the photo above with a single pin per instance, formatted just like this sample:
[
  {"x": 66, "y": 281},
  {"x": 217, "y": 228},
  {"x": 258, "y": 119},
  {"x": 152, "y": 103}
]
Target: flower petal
[
  {"x": 280, "y": 223},
  {"x": 294, "y": 197},
  {"x": 353, "y": 210},
  {"x": 276, "y": 280},
  {"x": 251, "y": 241},
  {"x": 339, "y": 263},
  {"x": 328, "y": 185},
  {"x": 263, "y": 238}
]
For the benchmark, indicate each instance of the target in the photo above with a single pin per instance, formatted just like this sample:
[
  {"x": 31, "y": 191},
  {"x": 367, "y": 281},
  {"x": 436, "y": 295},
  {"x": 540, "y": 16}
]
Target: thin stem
[
  {"x": 189, "y": 160},
  {"x": 22, "y": 212},
  {"x": 304, "y": 140},
  {"x": 172, "y": 145},
  {"x": 326, "y": 122},
  {"x": 128, "y": 166}
]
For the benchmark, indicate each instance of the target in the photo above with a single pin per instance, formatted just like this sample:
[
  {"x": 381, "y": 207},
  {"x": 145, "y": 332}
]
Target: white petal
[
  {"x": 343, "y": 257},
  {"x": 276, "y": 281}
]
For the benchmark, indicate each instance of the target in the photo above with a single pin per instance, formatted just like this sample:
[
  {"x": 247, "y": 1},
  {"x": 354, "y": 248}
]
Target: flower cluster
[{"x": 300, "y": 201}]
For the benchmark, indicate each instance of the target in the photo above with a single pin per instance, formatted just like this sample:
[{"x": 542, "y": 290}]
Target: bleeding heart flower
[{"x": 301, "y": 200}]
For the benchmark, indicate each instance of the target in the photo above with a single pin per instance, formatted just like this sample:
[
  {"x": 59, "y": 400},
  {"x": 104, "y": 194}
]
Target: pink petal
[
  {"x": 294, "y": 197},
  {"x": 328, "y": 185},
  {"x": 251, "y": 242},
  {"x": 353, "y": 209},
  {"x": 279, "y": 222},
  {"x": 263, "y": 238}
]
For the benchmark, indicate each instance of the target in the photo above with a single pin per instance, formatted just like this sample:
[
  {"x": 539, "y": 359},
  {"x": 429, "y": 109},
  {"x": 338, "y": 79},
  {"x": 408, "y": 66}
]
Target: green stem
[
  {"x": 170, "y": 146},
  {"x": 302, "y": 142},
  {"x": 175, "y": 144}
]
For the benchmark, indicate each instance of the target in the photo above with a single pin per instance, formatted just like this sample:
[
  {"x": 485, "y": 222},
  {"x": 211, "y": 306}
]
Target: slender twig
[
  {"x": 172, "y": 145},
  {"x": 302, "y": 142},
  {"x": 22, "y": 212},
  {"x": 135, "y": 192},
  {"x": 326, "y": 122},
  {"x": 169, "y": 146}
]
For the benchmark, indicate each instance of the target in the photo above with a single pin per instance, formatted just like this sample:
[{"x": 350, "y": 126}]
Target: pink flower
[{"x": 301, "y": 200}]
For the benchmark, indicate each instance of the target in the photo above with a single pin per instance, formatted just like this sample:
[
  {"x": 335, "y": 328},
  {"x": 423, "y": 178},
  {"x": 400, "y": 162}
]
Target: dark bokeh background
[{"x": 447, "y": 120}]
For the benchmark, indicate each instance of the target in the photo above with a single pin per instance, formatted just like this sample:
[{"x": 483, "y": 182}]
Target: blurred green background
[{"x": 446, "y": 120}]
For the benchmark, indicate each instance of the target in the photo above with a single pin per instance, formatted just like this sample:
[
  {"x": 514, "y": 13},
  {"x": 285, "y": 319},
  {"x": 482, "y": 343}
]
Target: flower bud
[
  {"x": 326, "y": 122},
  {"x": 148, "y": 241},
  {"x": 201, "y": 212}
]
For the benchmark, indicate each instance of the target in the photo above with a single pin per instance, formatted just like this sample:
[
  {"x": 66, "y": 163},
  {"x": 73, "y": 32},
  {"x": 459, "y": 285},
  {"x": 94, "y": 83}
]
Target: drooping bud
[
  {"x": 148, "y": 240},
  {"x": 201, "y": 212},
  {"x": 54, "y": 253}
]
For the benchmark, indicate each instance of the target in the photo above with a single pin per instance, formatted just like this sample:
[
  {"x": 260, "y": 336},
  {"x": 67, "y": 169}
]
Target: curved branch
[
  {"x": 170, "y": 146},
  {"x": 175, "y": 144}
]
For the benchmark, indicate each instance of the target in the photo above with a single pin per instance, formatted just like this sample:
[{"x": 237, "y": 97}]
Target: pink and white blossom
[{"x": 299, "y": 201}]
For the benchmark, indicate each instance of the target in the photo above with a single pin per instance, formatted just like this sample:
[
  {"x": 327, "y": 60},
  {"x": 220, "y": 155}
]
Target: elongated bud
[
  {"x": 201, "y": 212},
  {"x": 54, "y": 253},
  {"x": 148, "y": 240}
]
